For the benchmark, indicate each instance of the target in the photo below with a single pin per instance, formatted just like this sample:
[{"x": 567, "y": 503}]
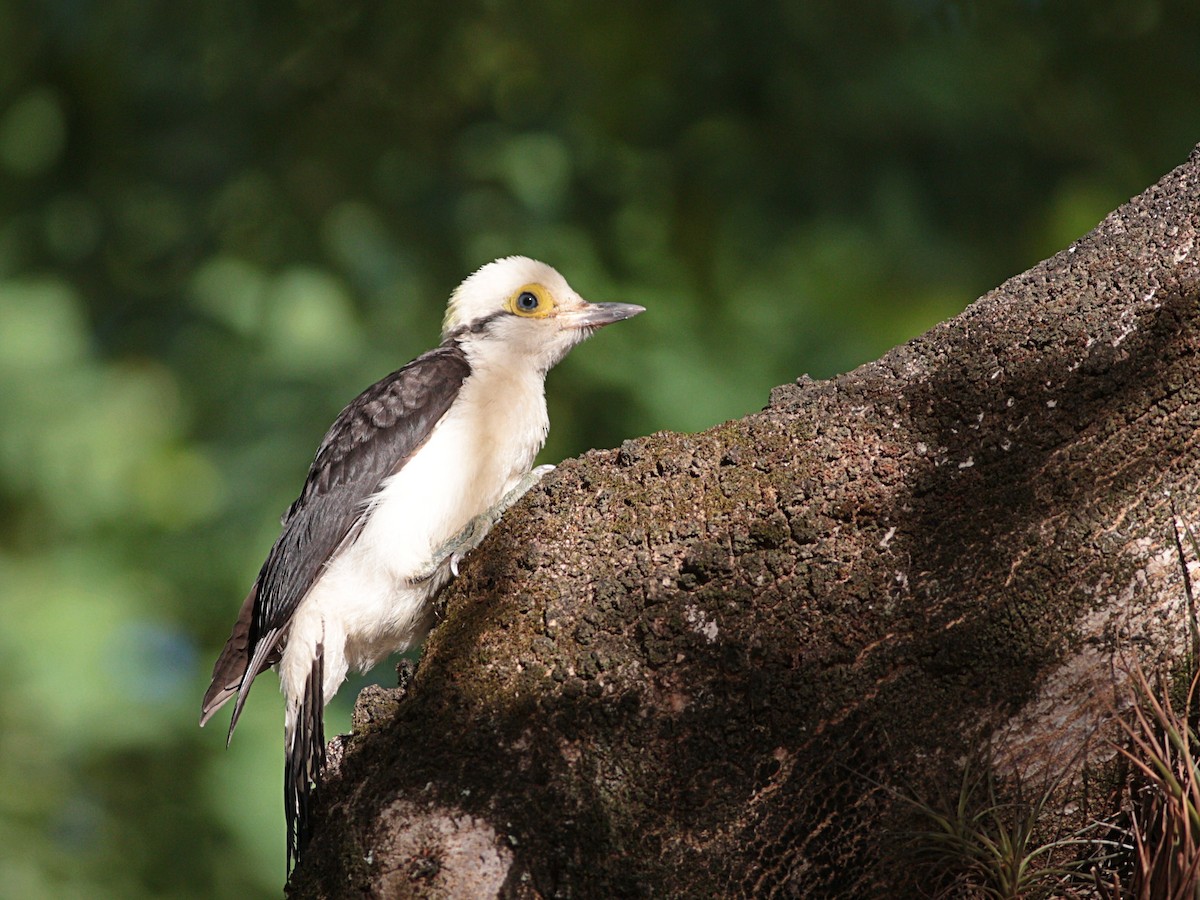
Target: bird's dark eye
[{"x": 527, "y": 301}]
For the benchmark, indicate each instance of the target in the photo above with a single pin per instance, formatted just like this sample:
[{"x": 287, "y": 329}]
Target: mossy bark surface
[{"x": 684, "y": 668}]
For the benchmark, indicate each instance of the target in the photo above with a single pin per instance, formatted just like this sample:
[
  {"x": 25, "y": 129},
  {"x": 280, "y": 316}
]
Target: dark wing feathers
[
  {"x": 231, "y": 664},
  {"x": 406, "y": 401},
  {"x": 370, "y": 440}
]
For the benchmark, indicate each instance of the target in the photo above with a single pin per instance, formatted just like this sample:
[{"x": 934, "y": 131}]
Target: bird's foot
[{"x": 456, "y": 549}]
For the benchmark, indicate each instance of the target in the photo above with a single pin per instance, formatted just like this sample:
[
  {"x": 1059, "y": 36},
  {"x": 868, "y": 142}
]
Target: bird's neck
[
  {"x": 504, "y": 402},
  {"x": 498, "y": 362}
]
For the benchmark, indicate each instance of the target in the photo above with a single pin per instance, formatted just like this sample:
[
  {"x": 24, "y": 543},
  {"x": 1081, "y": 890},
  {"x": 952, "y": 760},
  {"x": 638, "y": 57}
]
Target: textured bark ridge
[{"x": 683, "y": 667}]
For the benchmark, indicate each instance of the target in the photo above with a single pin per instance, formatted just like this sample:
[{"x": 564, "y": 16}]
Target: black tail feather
[
  {"x": 264, "y": 651},
  {"x": 305, "y": 760}
]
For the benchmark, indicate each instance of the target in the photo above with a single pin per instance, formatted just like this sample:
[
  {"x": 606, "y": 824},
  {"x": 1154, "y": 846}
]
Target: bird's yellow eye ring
[{"x": 532, "y": 301}]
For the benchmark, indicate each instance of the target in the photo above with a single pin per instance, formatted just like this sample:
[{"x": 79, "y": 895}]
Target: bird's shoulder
[{"x": 387, "y": 422}]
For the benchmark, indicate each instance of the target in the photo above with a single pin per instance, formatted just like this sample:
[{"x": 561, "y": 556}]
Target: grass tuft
[
  {"x": 989, "y": 842},
  {"x": 1162, "y": 792},
  {"x": 994, "y": 840}
]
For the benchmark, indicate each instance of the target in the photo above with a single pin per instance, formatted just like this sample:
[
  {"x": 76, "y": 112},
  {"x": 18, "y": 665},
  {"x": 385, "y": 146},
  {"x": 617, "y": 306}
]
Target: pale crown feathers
[{"x": 486, "y": 291}]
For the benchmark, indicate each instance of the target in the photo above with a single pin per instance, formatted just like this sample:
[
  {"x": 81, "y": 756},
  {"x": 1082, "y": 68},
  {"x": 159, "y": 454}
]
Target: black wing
[{"x": 371, "y": 439}]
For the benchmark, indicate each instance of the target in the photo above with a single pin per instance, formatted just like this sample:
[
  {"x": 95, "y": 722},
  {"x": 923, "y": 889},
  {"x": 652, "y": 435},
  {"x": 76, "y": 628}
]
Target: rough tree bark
[{"x": 681, "y": 668}]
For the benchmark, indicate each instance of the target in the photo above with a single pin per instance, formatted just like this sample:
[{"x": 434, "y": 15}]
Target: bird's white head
[{"x": 526, "y": 309}]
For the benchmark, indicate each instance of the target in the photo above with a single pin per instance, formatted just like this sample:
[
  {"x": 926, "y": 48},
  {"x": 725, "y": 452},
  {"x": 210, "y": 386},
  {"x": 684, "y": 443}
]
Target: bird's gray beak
[{"x": 595, "y": 315}]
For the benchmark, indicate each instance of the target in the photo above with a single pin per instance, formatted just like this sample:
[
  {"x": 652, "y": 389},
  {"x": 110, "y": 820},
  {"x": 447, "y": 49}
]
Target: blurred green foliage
[{"x": 220, "y": 220}]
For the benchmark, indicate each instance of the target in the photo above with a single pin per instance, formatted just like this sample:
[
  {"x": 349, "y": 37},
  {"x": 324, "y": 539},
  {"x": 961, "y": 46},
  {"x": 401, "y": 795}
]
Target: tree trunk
[{"x": 685, "y": 668}]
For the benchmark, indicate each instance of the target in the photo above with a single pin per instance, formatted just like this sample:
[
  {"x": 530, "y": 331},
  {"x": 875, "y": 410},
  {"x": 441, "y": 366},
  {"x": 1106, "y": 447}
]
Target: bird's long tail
[
  {"x": 231, "y": 669},
  {"x": 305, "y": 757}
]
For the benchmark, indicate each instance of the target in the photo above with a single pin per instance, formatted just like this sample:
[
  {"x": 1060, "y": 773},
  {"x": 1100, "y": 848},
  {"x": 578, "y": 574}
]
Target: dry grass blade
[
  {"x": 1166, "y": 810},
  {"x": 1193, "y": 630}
]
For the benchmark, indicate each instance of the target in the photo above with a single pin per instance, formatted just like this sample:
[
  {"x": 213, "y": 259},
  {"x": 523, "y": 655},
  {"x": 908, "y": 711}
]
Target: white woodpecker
[{"x": 410, "y": 476}]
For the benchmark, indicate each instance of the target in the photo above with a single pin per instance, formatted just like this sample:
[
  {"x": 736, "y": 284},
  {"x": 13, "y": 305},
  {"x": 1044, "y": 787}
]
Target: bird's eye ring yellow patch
[{"x": 532, "y": 301}]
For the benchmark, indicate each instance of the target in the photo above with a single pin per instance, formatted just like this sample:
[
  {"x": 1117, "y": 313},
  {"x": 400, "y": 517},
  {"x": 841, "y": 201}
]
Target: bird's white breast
[{"x": 366, "y": 605}]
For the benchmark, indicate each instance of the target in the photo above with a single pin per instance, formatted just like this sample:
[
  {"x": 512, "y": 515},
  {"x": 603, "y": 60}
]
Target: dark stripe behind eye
[{"x": 477, "y": 326}]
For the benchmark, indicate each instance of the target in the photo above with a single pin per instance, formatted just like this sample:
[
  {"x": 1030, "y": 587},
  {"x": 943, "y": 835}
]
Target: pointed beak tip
[{"x": 598, "y": 314}]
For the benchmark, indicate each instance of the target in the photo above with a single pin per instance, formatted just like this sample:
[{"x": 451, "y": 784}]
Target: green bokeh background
[{"x": 220, "y": 220}]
